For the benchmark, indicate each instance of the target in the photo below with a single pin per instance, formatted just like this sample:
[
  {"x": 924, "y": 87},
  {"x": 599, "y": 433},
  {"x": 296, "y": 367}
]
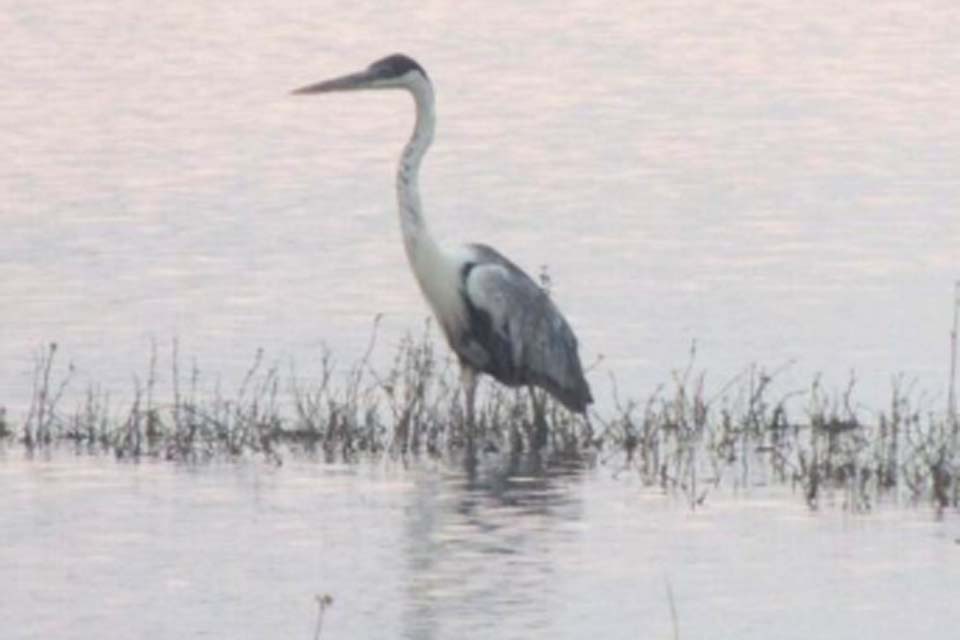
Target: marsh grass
[
  {"x": 686, "y": 437},
  {"x": 324, "y": 602}
]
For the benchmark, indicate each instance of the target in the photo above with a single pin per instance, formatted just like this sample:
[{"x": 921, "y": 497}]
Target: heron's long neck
[{"x": 416, "y": 238}]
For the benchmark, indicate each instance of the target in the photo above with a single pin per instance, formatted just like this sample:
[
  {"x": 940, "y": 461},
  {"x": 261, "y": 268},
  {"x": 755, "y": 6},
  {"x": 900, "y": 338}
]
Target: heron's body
[{"x": 494, "y": 316}]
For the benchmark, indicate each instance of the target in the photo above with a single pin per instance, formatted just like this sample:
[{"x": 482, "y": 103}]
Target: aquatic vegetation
[
  {"x": 323, "y": 603},
  {"x": 685, "y": 438}
]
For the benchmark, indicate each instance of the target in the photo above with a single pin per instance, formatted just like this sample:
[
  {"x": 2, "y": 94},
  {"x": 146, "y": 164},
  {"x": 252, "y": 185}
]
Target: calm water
[
  {"x": 776, "y": 181},
  {"x": 95, "y": 549}
]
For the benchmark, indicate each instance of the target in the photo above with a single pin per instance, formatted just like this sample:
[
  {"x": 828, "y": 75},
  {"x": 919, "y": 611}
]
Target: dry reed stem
[{"x": 685, "y": 437}]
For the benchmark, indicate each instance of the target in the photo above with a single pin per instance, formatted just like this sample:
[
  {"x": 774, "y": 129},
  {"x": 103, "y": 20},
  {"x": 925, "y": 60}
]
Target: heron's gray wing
[{"x": 523, "y": 334}]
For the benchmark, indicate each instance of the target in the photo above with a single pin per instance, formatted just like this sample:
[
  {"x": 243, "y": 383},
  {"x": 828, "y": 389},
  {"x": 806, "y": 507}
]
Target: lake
[
  {"x": 777, "y": 183},
  {"x": 94, "y": 548}
]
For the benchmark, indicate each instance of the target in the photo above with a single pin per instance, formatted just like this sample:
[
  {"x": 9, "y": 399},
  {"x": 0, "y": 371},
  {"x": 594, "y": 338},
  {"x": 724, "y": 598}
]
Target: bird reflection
[{"x": 481, "y": 543}]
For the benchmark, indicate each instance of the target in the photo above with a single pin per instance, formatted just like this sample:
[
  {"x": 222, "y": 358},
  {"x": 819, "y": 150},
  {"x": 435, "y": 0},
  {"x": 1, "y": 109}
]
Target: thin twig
[
  {"x": 673, "y": 609},
  {"x": 323, "y": 603}
]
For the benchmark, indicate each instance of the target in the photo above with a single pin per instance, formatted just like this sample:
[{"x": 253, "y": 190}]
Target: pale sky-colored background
[{"x": 775, "y": 182}]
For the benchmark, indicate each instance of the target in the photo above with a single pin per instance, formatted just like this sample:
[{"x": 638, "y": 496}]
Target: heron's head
[{"x": 393, "y": 72}]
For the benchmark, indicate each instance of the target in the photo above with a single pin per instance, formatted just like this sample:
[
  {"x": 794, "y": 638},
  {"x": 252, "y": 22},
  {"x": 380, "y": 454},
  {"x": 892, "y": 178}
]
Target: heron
[{"x": 496, "y": 318}]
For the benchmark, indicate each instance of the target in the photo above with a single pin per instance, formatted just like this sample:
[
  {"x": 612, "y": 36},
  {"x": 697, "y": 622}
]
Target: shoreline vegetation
[{"x": 684, "y": 438}]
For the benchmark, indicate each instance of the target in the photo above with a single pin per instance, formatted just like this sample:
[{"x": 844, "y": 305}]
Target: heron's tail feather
[{"x": 573, "y": 393}]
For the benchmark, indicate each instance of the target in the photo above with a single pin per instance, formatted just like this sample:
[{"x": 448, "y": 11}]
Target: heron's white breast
[{"x": 438, "y": 274}]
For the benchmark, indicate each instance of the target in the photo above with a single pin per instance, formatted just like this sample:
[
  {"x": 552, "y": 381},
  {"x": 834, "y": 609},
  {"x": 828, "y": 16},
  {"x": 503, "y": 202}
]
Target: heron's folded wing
[{"x": 526, "y": 335}]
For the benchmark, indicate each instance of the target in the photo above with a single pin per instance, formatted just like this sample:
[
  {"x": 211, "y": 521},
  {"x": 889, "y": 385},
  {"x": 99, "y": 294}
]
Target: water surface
[
  {"x": 777, "y": 181},
  {"x": 774, "y": 180},
  {"x": 94, "y": 548}
]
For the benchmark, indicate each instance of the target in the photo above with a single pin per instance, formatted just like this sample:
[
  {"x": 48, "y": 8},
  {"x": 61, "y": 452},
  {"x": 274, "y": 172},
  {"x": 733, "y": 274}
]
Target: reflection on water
[
  {"x": 776, "y": 181},
  {"x": 95, "y": 548},
  {"x": 474, "y": 548}
]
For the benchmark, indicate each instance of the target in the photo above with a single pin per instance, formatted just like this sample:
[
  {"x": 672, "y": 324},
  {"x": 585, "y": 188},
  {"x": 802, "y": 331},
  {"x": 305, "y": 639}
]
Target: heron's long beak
[{"x": 359, "y": 80}]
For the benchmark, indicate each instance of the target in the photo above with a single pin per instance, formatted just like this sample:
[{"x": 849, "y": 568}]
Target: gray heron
[{"x": 496, "y": 319}]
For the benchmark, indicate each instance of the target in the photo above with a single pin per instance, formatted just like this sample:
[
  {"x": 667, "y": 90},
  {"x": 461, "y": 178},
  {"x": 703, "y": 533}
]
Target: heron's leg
[
  {"x": 539, "y": 419},
  {"x": 468, "y": 378}
]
